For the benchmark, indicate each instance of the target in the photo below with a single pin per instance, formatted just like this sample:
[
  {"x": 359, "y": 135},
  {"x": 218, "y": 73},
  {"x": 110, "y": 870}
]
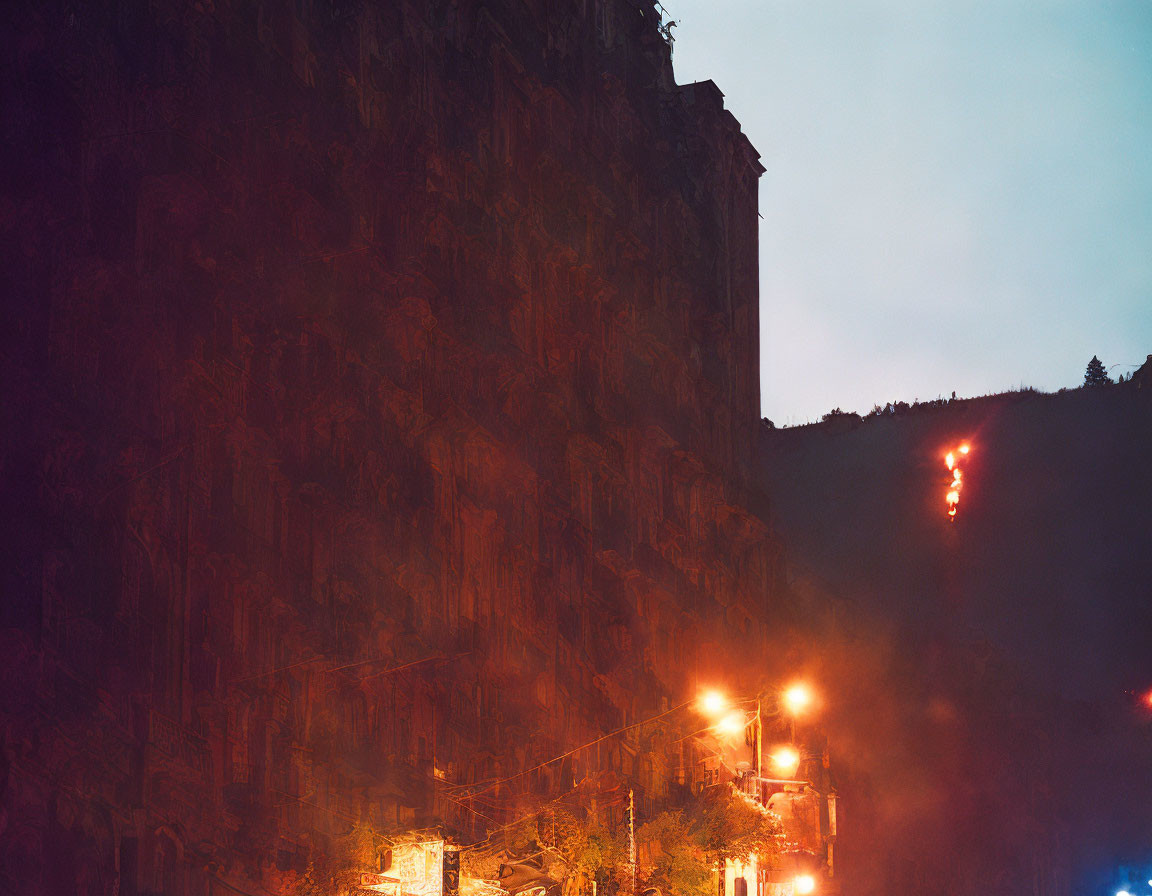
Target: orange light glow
[
  {"x": 952, "y": 496},
  {"x": 733, "y": 723},
  {"x": 797, "y": 698},
  {"x": 1147, "y": 699},
  {"x": 785, "y": 760},
  {"x": 712, "y": 703},
  {"x": 803, "y": 883}
]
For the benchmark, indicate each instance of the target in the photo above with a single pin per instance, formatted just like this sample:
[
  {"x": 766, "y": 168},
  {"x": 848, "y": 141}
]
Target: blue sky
[{"x": 958, "y": 194}]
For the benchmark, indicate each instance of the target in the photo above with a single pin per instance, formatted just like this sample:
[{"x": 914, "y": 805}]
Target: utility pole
[
  {"x": 759, "y": 746},
  {"x": 632, "y": 838}
]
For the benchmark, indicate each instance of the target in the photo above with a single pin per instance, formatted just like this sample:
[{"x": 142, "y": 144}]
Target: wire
[
  {"x": 427, "y": 659},
  {"x": 519, "y": 820},
  {"x": 274, "y": 671},
  {"x": 593, "y": 743}
]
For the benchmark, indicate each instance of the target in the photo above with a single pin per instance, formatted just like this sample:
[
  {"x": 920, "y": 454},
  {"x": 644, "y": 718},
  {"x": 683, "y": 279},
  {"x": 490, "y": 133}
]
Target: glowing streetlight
[
  {"x": 712, "y": 703},
  {"x": 806, "y": 883},
  {"x": 785, "y": 760},
  {"x": 797, "y": 698}
]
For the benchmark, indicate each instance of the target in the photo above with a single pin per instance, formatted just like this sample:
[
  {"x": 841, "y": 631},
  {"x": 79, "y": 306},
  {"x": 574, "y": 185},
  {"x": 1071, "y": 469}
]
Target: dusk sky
[{"x": 958, "y": 195}]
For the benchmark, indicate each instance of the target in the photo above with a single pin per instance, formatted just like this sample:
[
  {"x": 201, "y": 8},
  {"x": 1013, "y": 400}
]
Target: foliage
[
  {"x": 573, "y": 846},
  {"x": 588, "y": 851},
  {"x": 1095, "y": 374},
  {"x": 728, "y": 824},
  {"x": 676, "y": 863},
  {"x": 677, "y": 850},
  {"x": 686, "y": 844}
]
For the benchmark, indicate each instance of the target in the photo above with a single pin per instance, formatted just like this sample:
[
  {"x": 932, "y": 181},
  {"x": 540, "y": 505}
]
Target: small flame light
[{"x": 952, "y": 462}]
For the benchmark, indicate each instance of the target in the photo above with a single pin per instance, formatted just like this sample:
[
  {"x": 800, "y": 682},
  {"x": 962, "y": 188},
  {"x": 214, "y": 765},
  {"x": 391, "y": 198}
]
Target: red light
[{"x": 1147, "y": 699}]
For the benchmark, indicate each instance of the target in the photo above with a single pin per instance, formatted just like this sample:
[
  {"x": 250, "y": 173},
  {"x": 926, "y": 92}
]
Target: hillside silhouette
[{"x": 1009, "y": 648}]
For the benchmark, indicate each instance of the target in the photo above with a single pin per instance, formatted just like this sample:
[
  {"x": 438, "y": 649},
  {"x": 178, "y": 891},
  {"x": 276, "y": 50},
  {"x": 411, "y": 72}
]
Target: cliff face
[
  {"x": 998, "y": 741},
  {"x": 380, "y": 397}
]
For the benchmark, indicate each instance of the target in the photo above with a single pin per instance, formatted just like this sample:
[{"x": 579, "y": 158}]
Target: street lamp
[
  {"x": 797, "y": 698},
  {"x": 786, "y": 761},
  {"x": 713, "y": 703},
  {"x": 794, "y": 700}
]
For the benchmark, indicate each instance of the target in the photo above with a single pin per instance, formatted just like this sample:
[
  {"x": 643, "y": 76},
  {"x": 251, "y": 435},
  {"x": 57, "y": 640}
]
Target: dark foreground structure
[{"x": 380, "y": 395}]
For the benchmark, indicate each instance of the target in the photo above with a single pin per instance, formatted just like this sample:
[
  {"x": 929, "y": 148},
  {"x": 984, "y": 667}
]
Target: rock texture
[{"x": 380, "y": 398}]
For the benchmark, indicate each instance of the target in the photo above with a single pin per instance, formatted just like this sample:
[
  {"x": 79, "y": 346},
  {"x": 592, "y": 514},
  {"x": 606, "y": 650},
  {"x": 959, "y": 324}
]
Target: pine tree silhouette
[{"x": 1096, "y": 375}]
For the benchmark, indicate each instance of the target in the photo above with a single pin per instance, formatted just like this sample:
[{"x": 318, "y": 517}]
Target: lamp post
[
  {"x": 794, "y": 700},
  {"x": 759, "y": 741},
  {"x": 784, "y": 705},
  {"x": 786, "y": 761}
]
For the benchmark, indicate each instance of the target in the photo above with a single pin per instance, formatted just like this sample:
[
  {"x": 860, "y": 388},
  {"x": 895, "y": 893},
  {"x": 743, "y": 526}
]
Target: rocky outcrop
[{"x": 380, "y": 400}]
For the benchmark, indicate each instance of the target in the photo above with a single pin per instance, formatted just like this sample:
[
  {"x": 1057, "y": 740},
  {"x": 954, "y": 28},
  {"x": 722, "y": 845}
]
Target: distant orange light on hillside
[{"x": 952, "y": 495}]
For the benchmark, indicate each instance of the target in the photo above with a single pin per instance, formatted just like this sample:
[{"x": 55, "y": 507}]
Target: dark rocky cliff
[
  {"x": 999, "y": 743},
  {"x": 380, "y": 389}
]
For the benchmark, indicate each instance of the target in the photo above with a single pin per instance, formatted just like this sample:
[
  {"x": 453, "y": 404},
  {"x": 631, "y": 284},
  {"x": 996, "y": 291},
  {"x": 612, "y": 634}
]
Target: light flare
[
  {"x": 785, "y": 760},
  {"x": 733, "y": 723},
  {"x": 797, "y": 698},
  {"x": 713, "y": 703},
  {"x": 952, "y": 462}
]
